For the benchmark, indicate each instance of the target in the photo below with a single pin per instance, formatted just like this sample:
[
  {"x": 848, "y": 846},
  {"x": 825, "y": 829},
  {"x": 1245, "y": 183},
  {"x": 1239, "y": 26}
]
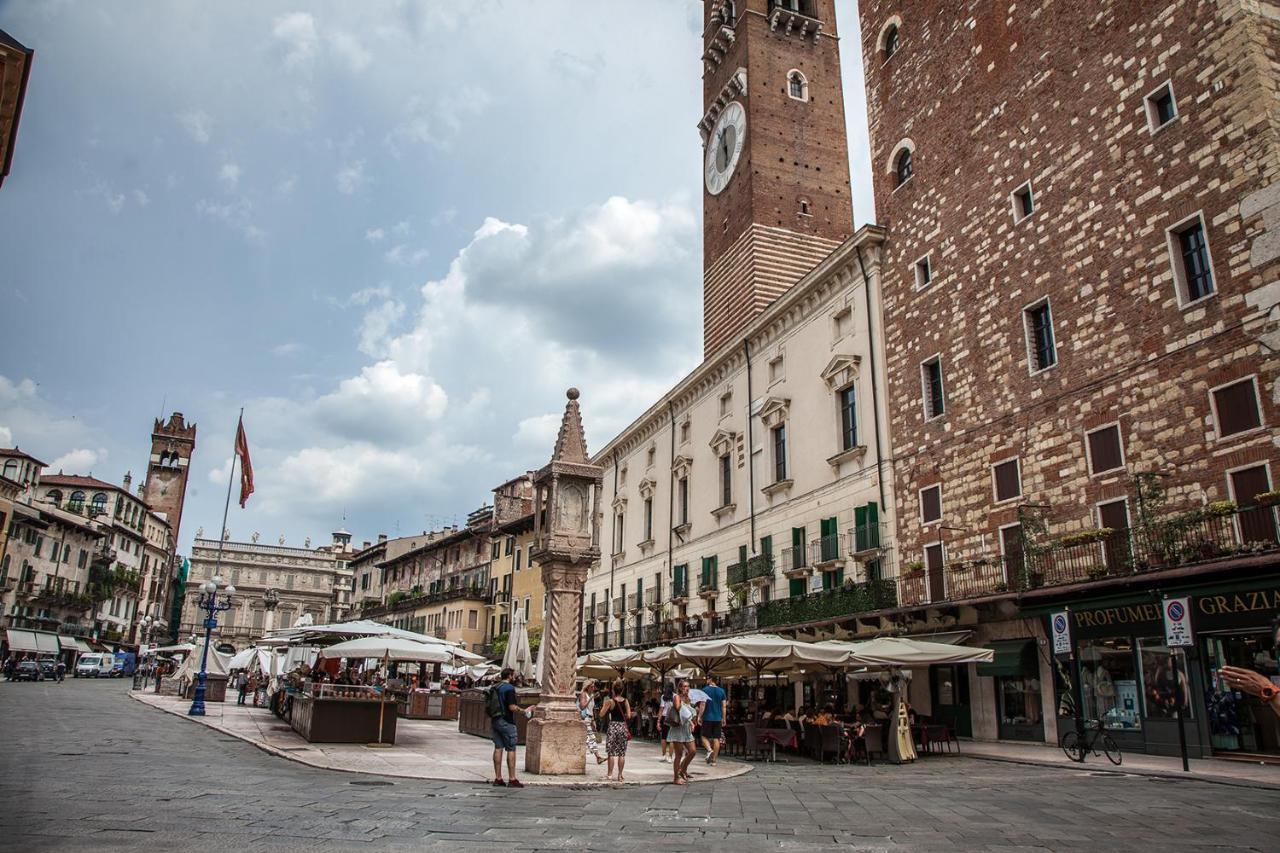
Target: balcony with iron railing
[
  {"x": 758, "y": 568},
  {"x": 825, "y": 554},
  {"x": 653, "y": 597},
  {"x": 1213, "y": 534},
  {"x": 709, "y": 583},
  {"x": 619, "y": 605},
  {"x": 864, "y": 540},
  {"x": 680, "y": 589},
  {"x": 635, "y": 602},
  {"x": 602, "y": 610},
  {"x": 794, "y": 562}
]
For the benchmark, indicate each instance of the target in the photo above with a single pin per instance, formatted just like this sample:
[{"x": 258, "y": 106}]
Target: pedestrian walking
[
  {"x": 242, "y": 684},
  {"x": 61, "y": 670},
  {"x": 664, "y": 706},
  {"x": 713, "y": 718},
  {"x": 587, "y": 709},
  {"x": 616, "y": 710},
  {"x": 502, "y": 710},
  {"x": 680, "y": 733}
]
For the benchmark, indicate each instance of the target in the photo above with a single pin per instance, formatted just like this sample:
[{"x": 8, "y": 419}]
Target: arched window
[
  {"x": 902, "y": 166},
  {"x": 99, "y": 503},
  {"x": 11, "y": 470},
  {"x": 890, "y": 40},
  {"x": 55, "y": 497},
  {"x": 76, "y": 502},
  {"x": 797, "y": 86}
]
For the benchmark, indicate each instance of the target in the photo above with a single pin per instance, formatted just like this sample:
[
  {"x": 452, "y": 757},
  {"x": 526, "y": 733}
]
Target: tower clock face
[{"x": 724, "y": 146}]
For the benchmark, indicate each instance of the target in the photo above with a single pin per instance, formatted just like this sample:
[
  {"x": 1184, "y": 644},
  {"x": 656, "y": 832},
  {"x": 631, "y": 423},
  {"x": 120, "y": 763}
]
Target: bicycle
[{"x": 1075, "y": 750}]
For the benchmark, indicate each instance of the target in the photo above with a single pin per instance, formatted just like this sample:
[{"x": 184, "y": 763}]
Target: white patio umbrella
[
  {"x": 517, "y": 656},
  {"x": 906, "y": 652},
  {"x": 618, "y": 659}
]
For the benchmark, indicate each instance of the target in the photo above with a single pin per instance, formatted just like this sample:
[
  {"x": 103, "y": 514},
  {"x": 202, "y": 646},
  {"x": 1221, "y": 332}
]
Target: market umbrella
[
  {"x": 389, "y": 649},
  {"x": 619, "y": 659},
  {"x": 906, "y": 652},
  {"x": 609, "y": 673},
  {"x": 517, "y": 656}
]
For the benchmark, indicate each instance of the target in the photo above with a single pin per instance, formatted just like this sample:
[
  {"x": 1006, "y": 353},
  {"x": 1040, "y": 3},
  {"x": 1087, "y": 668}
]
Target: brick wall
[{"x": 994, "y": 94}]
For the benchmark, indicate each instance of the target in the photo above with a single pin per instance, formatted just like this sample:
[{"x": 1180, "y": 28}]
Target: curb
[
  {"x": 1121, "y": 771},
  {"x": 279, "y": 753}
]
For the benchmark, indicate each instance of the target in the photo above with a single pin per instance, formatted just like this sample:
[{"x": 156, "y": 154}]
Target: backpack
[{"x": 493, "y": 703}]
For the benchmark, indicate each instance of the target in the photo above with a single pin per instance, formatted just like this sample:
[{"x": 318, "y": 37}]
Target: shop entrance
[
  {"x": 1015, "y": 668},
  {"x": 1239, "y": 723},
  {"x": 950, "y": 689}
]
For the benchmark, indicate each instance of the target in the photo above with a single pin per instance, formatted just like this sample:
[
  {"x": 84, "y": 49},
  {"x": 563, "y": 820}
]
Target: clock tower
[
  {"x": 165, "y": 489},
  {"x": 775, "y": 195}
]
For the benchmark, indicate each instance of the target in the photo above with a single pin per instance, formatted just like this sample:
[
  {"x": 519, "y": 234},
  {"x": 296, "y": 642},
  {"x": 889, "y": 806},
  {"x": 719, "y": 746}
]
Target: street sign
[
  {"x": 1177, "y": 622},
  {"x": 1061, "y": 624}
]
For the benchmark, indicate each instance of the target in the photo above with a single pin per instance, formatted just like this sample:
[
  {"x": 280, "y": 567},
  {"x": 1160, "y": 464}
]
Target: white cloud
[
  {"x": 198, "y": 124},
  {"x": 296, "y": 33},
  {"x": 12, "y": 392},
  {"x": 538, "y": 432},
  {"x": 236, "y": 214},
  {"x": 383, "y": 402},
  {"x": 403, "y": 256},
  {"x": 286, "y": 185},
  {"x": 375, "y": 235},
  {"x": 290, "y": 348},
  {"x": 445, "y": 217},
  {"x": 402, "y": 228},
  {"x": 351, "y": 178},
  {"x": 6, "y": 437},
  {"x": 141, "y": 198},
  {"x": 350, "y": 50},
  {"x": 229, "y": 175},
  {"x": 375, "y": 328},
  {"x": 436, "y": 121},
  {"x": 78, "y": 461}
]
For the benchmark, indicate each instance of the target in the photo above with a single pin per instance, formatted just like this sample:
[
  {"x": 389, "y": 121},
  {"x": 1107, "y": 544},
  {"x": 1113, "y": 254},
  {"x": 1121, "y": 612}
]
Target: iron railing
[
  {"x": 793, "y": 558},
  {"x": 757, "y": 566},
  {"x": 846, "y": 600}
]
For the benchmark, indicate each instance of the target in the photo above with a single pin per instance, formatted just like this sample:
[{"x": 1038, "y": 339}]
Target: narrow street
[{"x": 87, "y": 768}]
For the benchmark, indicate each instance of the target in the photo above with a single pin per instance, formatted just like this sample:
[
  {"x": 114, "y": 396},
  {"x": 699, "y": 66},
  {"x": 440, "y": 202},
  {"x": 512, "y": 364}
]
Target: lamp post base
[{"x": 197, "y": 701}]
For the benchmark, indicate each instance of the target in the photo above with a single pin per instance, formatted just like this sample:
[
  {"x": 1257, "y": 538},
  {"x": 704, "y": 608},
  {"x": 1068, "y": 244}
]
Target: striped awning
[
  {"x": 39, "y": 642},
  {"x": 74, "y": 643}
]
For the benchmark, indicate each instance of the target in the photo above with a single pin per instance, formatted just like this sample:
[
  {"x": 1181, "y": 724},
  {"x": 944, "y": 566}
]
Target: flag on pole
[{"x": 246, "y": 467}]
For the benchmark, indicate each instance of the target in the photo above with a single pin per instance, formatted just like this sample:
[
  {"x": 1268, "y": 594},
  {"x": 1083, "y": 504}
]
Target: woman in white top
[{"x": 680, "y": 734}]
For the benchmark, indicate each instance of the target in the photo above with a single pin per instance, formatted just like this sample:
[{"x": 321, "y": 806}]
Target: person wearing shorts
[
  {"x": 713, "y": 718},
  {"x": 503, "y": 732}
]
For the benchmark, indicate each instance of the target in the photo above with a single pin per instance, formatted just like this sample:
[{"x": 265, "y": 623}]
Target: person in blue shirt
[
  {"x": 713, "y": 714},
  {"x": 504, "y": 733}
]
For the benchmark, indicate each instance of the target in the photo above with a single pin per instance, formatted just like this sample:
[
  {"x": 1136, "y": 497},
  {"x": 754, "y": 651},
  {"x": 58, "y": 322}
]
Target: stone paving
[
  {"x": 424, "y": 749},
  {"x": 86, "y": 768}
]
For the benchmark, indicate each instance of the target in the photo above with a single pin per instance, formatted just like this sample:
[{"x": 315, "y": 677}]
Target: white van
[{"x": 94, "y": 664}]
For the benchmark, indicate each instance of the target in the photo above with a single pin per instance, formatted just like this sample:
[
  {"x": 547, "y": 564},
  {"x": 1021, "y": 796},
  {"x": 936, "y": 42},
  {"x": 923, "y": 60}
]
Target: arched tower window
[
  {"x": 77, "y": 501},
  {"x": 797, "y": 85},
  {"x": 890, "y": 41},
  {"x": 99, "y": 503},
  {"x": 902, "y": 167},
  {"x": 890, "y": 38}
]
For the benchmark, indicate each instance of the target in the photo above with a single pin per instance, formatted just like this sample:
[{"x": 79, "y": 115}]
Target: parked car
[
  {"x": 49, "y": 669},
  {"x": 95, "y": 664},
  {"x": 27, "y": 670}
]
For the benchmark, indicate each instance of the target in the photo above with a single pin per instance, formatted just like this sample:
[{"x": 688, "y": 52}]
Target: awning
[
  {"x": 1012, "y": 658},
  {"x": 75, "y": 643},
  {"x": 40, "y": 642}
]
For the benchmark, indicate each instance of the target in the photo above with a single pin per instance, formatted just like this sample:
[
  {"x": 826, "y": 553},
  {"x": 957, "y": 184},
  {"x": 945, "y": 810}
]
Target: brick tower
[
  {"x": 776, "y": 162},
  {"x": 165, "y": 488}
]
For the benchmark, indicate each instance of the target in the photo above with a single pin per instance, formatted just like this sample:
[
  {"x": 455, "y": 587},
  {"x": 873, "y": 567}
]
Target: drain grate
[{"x": 370, "y": 782}]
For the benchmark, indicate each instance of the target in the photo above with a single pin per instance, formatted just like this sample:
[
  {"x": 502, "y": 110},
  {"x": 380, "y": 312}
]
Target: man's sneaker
[
  {"x": 515, "y": 783},
  {"x": 708, "y": 759},
  {"x": 499, "y": 783}
]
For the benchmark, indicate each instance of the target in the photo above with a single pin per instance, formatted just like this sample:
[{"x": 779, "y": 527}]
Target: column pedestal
[{"x": 556, "y": 740}]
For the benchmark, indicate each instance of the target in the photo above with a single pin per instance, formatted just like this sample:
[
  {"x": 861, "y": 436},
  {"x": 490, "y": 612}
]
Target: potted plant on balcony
[
  {"x": 1270, "y": 498},
  {"x": 913, "y": 569}
]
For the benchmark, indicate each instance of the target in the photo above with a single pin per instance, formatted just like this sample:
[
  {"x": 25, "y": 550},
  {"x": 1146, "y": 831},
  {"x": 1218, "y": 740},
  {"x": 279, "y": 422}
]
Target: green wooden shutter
[
  {"x": 742, "y": 554},
  {"x": 796, "y": 587},
  {"x": 830, "y": 539}
]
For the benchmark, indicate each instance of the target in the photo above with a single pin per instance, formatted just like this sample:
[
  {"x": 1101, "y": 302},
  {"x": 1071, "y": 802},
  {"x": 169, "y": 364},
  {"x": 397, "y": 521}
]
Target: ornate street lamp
[
  {"x": 211, "y": 605},
  {"x": 142, "y": 673}
]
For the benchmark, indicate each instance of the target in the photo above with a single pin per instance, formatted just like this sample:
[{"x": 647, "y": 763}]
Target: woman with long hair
[
  {"x": 680, "y": 735},
  {"x": 616, "y": 710},
  {"x": 586, "y": 709}
]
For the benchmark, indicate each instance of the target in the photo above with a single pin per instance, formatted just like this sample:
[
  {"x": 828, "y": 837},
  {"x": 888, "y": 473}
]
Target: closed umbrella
[{"x": 517, "y": 656}]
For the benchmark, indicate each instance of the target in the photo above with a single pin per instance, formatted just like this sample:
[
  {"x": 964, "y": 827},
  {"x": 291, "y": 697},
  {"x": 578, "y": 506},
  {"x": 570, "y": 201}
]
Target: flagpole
[{"x": 222, "y": 534}]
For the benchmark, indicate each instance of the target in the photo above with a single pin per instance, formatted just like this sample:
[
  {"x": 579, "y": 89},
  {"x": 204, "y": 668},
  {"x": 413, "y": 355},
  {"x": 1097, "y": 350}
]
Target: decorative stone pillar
[{"x": 565, "y": 545}]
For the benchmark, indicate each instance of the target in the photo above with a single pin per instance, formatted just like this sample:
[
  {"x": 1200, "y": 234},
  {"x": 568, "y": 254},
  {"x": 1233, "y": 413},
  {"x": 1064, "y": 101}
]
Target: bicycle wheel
[
  {"x": 1070, "y": 743},
  {"x": 1111, "y": 749}
]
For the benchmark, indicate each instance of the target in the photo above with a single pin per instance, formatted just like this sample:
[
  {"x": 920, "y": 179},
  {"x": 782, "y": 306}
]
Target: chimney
[
  {"x": 128, "y": 480},
  {"x": 382, "y": 537},
  {"x": 366, "y": 544}
]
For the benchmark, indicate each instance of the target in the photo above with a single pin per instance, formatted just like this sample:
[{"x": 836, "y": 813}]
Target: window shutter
[
  {"x": 1237, "y": 407},
  {"x": 1104, "y": 449},
  {"x": 931, "y": 504},
  {"x": 1007, "y": 482}
]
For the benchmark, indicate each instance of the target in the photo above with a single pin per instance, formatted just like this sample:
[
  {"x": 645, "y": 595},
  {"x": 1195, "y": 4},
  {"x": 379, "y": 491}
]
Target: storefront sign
[
  {"x": 1244, "y": 609},
  {"x": 1060, "y": 624},
  {"x": 1177, "y": 622}
]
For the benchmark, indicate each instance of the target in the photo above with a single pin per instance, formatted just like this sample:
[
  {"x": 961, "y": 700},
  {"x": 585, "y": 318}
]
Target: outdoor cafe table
[{"x": 785, "y": 738}]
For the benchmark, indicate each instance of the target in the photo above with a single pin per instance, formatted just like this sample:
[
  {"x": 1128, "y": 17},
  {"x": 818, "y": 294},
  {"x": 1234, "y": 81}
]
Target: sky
[{"x": 393, "y": 232}]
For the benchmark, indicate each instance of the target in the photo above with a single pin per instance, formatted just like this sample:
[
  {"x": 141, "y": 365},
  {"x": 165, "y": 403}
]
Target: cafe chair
[{"x": 829, "y": 740}]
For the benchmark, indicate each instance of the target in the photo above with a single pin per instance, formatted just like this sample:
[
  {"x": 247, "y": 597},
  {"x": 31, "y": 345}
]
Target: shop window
[
  {"x": 1109, "y": 683},
  {"x": 1164, "y": 687}
]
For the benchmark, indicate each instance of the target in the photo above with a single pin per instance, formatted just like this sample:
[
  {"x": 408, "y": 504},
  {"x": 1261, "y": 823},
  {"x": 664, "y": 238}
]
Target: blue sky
[{"x": 394, "y": 232}]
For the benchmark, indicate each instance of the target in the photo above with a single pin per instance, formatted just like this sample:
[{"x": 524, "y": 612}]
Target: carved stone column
[{"x": 565, "y": 545}]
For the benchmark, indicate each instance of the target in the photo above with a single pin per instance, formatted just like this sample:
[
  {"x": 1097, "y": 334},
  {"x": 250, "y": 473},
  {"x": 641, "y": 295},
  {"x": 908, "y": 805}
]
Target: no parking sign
[
  {"x": 1061, "y": 625},
  {"x": 1177, "y": 622}
]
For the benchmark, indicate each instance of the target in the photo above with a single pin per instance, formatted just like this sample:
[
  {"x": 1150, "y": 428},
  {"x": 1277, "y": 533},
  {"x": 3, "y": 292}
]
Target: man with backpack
[{"x": 502, "y": 704}]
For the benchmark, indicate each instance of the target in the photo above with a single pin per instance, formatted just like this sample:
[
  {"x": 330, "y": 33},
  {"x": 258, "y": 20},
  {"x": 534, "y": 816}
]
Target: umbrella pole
[{"x": 382, "y": 705}]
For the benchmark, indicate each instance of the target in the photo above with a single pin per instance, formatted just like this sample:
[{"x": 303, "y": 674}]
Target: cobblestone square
[{"x": 86, "y": 768}]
